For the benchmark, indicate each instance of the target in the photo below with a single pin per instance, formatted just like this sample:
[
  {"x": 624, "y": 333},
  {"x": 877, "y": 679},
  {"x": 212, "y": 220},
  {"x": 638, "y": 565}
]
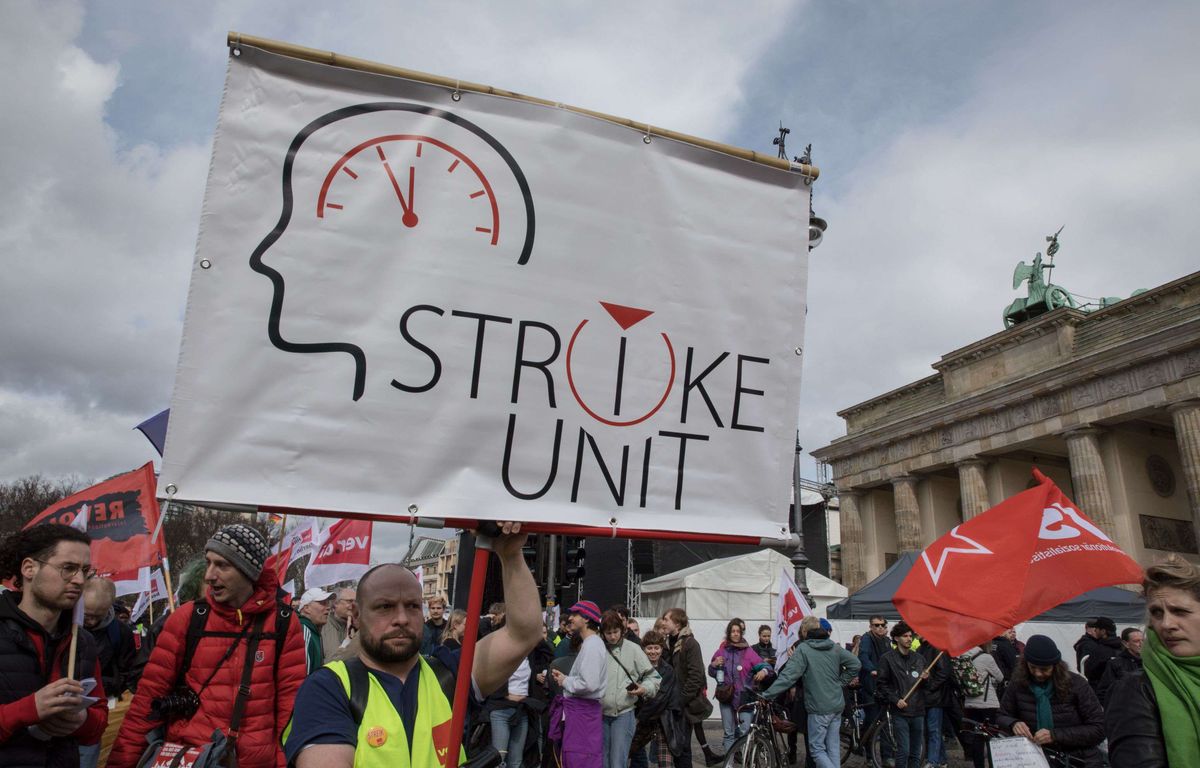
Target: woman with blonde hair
[
  {"x": 456, "y": 625},
  {"x": 1153, "y": 719}
]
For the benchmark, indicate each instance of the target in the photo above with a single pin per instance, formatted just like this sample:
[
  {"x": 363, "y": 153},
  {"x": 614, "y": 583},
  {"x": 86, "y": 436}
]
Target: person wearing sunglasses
[
  {"x": 44, "y": 719},
  {"x": 871, "y": 649}
]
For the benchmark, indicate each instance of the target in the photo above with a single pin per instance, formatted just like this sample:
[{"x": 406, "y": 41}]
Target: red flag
[
  {"x": 1023, "y": 556},
  {"x": 280, "y": 561},
  {"x": 122, "y": 515},
  {"x": 343, "y": 554}
]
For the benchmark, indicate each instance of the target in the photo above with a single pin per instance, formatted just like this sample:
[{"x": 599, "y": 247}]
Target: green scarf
[
  {"x": 1041, "y": 694},
  {"x": 1176, "y": 681}
]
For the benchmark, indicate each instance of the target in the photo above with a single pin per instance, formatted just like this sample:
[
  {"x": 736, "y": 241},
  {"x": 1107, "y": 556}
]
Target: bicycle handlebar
[{"x": 1056, "y": 757}]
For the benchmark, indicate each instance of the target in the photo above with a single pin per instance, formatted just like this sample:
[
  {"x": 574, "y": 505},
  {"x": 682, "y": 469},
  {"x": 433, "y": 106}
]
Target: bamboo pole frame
[{"x": 237, "y": 39}]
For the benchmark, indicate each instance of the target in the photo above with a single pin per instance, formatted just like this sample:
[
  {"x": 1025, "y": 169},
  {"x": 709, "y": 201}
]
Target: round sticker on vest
[
  {"x": 377, "y": 736},
  {"x": 915, "y": 673}
]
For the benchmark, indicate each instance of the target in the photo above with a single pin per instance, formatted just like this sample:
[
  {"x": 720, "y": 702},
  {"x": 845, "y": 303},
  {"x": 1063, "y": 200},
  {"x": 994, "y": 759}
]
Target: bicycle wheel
[
  {"x": 760, "y": 751},
  {"x": 852, "y": 739},
  {"x": 882, "y": 745},
  {"x": 733, "y": 755}
]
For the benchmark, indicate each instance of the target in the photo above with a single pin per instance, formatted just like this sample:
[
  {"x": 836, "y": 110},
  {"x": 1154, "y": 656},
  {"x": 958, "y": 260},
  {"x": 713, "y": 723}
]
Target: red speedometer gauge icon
[{"x": 415, "y": 169}]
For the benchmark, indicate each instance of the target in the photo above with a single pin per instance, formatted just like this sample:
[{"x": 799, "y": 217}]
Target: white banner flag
[
  {"x": 139, "y": 607},
  {"x": 791, "y": 609},
  {"x": 302, "y": 540},
  {"x": 342, "y": 553},
  {"x": 158, "y": 586},
  {"x": 485, "y": 307},
  {"x": 131, "y": 582}
]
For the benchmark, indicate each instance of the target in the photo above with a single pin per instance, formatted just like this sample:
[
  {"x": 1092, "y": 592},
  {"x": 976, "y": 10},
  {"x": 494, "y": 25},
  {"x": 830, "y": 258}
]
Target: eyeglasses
[
  {"x": 70, "y": 570},
  {"x": 875, "y": 624}
]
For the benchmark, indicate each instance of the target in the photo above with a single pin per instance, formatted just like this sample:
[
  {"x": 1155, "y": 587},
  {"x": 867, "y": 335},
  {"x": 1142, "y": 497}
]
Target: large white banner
[{"x": 486, "y": 308}]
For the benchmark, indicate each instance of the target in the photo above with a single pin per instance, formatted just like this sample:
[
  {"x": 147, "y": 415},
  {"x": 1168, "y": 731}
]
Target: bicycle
[
  {"x": 987, "y": 732},
  {"x": 853, "y": 735},
  {"x": 762, "y": 744},
  {"x": 880, "y": 739}
]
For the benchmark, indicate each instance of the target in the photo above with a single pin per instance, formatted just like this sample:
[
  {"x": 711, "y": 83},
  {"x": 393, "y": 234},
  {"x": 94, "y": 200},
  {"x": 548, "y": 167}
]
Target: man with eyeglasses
[
  {"x": 43, "y": 716},
  {"x": 333, "y": 634},
  {"x": 872, "y": 648}
]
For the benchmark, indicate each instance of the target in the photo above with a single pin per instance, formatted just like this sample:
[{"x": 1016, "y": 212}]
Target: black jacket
[
  {"x": 117, "y": 652},
  {"x": 897, "y": 674},
  {"x": 662, "y": 714},
  {"x": 1005, "y": 654},
  {"x": 870, "y": 651},
  {"x": 22, "y": 672},
  {"x": 1099, "y": 652},
  {"x": 939, "y": 688},
  {"x": 1078, "y": 720},
  {"x": 765, "y": 651},
  {"x": 1134, "y": 726},
  {"x": 688, "y": 663},
  {"x": 1119, "y": 666}
]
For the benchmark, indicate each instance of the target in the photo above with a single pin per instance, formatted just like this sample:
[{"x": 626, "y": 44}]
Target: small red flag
[
  {"x": 279, "y": 561},
  {"x": 122, "y": 515},
  {"x": 1020, "y": 558}
]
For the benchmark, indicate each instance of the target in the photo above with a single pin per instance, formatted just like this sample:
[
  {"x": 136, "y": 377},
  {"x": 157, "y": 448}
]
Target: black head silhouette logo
[{"x": 438, "y": 174}]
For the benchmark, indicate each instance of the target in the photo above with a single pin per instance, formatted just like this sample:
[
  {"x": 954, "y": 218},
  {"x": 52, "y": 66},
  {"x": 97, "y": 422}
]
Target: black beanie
[{"x": 1041, "y": 651}]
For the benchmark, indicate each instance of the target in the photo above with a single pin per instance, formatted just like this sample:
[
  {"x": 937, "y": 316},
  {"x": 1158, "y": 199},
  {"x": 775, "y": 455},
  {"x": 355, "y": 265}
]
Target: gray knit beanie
[{"x": 242, "y": 546}]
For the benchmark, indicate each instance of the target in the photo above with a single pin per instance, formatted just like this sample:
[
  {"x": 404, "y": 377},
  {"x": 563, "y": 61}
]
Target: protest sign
[
  {"x": 1016, "y": 752},
  {"x": 792, "y": 609},
  {"x": 485, "y": 307}
]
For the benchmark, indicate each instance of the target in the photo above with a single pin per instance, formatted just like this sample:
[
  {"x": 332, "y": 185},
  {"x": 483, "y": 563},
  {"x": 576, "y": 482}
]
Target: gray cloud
[{"x": 952, "y": 138}]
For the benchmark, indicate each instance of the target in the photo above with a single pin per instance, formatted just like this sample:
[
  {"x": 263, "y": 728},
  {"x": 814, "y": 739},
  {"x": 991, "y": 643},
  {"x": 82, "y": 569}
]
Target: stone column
[
  {"x": 908, "y": 513},
  {"x": 1091, "y": 483},
  {"x": 854, "y": 548},
  {"x": 1187, "y": 436},
  {"x": 972, "y": 483}
]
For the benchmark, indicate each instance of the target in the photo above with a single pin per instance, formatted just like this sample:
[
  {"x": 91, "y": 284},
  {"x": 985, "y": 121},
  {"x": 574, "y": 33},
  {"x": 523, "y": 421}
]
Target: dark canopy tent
[{"x": 875, "y": 599}]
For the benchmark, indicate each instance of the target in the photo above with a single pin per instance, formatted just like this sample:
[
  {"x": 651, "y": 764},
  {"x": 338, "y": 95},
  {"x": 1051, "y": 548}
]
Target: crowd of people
[{"x": 365, "y": 675}]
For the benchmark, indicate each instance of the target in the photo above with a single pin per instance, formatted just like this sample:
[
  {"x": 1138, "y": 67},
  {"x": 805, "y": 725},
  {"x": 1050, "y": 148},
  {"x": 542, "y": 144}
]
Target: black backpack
[{"x": 199, "y": 618}]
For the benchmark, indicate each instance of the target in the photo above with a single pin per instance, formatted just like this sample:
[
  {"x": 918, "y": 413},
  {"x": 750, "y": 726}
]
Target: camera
[{"x": 179, "y": 704}]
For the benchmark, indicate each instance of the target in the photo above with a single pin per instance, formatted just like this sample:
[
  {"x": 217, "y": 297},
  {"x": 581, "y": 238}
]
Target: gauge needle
[{"x": 410, "y": 218}]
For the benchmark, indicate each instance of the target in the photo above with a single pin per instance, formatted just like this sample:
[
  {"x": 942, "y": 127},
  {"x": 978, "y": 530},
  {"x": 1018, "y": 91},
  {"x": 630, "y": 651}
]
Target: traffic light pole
[{"x": 551, "y": 569}]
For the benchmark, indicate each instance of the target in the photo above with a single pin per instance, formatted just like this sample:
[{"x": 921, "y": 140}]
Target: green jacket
[
  {"x": 826, "y": 668},
  {"x": 314, "y": 655}
]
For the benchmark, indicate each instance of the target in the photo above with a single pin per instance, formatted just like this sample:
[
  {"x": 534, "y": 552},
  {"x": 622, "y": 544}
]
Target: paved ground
[{"x": 712, "y": 729}]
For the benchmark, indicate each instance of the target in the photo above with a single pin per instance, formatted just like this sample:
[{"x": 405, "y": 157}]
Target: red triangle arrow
[{"x": 626, "y": 317}]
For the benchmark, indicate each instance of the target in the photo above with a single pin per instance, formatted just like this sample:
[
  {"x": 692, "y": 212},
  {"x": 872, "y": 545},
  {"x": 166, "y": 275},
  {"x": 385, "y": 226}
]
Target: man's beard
[{"x": 377, "y": 650}]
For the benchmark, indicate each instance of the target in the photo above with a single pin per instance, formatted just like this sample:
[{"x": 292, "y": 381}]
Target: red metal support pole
[{"x": 462, "y": 685}]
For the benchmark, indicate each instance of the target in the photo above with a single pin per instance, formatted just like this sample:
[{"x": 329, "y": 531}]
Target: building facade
[{"x": 1107, "y": 404}]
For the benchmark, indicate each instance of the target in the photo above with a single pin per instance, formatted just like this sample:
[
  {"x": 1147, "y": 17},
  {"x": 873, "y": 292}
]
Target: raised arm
[{"x": 499, "y": 654}]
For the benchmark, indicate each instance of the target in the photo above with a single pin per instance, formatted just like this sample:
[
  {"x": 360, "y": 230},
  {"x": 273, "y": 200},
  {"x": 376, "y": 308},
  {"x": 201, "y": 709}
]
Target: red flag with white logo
[
  {"x": 793, "y": 607},
  {"x": 343, "y": 554},
  {"x": 1020, "y": 558}
]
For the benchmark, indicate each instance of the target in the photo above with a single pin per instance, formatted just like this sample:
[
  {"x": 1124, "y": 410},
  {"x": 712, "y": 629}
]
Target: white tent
[{"x": 745, "y": 585}]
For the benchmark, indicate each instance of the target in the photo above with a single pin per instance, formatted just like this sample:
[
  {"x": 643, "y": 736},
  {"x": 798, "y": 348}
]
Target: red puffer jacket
[{"x": 273, "y": 685}]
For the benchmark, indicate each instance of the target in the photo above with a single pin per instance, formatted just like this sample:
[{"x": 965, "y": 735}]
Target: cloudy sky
[{"x": 951, "y": 137}]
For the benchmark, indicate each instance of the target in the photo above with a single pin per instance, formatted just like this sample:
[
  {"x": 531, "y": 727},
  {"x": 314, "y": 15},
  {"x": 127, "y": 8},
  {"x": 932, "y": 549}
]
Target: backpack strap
[
  {"x": 360, "y": 687},
  {"x": 360, "y": 684},
  {"x": 283, "y": 622},
  {"x": 243, "y": 693},
  {"x": 195, "y": 631},
  {"x": 445, "y": 677}
]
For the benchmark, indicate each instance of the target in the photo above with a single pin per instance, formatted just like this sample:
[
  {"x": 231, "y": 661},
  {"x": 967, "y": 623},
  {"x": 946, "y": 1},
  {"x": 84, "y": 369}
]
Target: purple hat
[{"x": 587, "y": 609}]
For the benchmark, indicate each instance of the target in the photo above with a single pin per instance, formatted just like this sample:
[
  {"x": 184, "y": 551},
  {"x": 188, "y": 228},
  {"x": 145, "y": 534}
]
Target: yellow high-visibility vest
[{"x": 382, "y": 740}]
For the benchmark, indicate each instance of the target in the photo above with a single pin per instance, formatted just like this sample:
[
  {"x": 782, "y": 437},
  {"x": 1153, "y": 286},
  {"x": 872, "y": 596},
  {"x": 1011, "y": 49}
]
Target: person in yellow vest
[{"x": 389, "y": 705}]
